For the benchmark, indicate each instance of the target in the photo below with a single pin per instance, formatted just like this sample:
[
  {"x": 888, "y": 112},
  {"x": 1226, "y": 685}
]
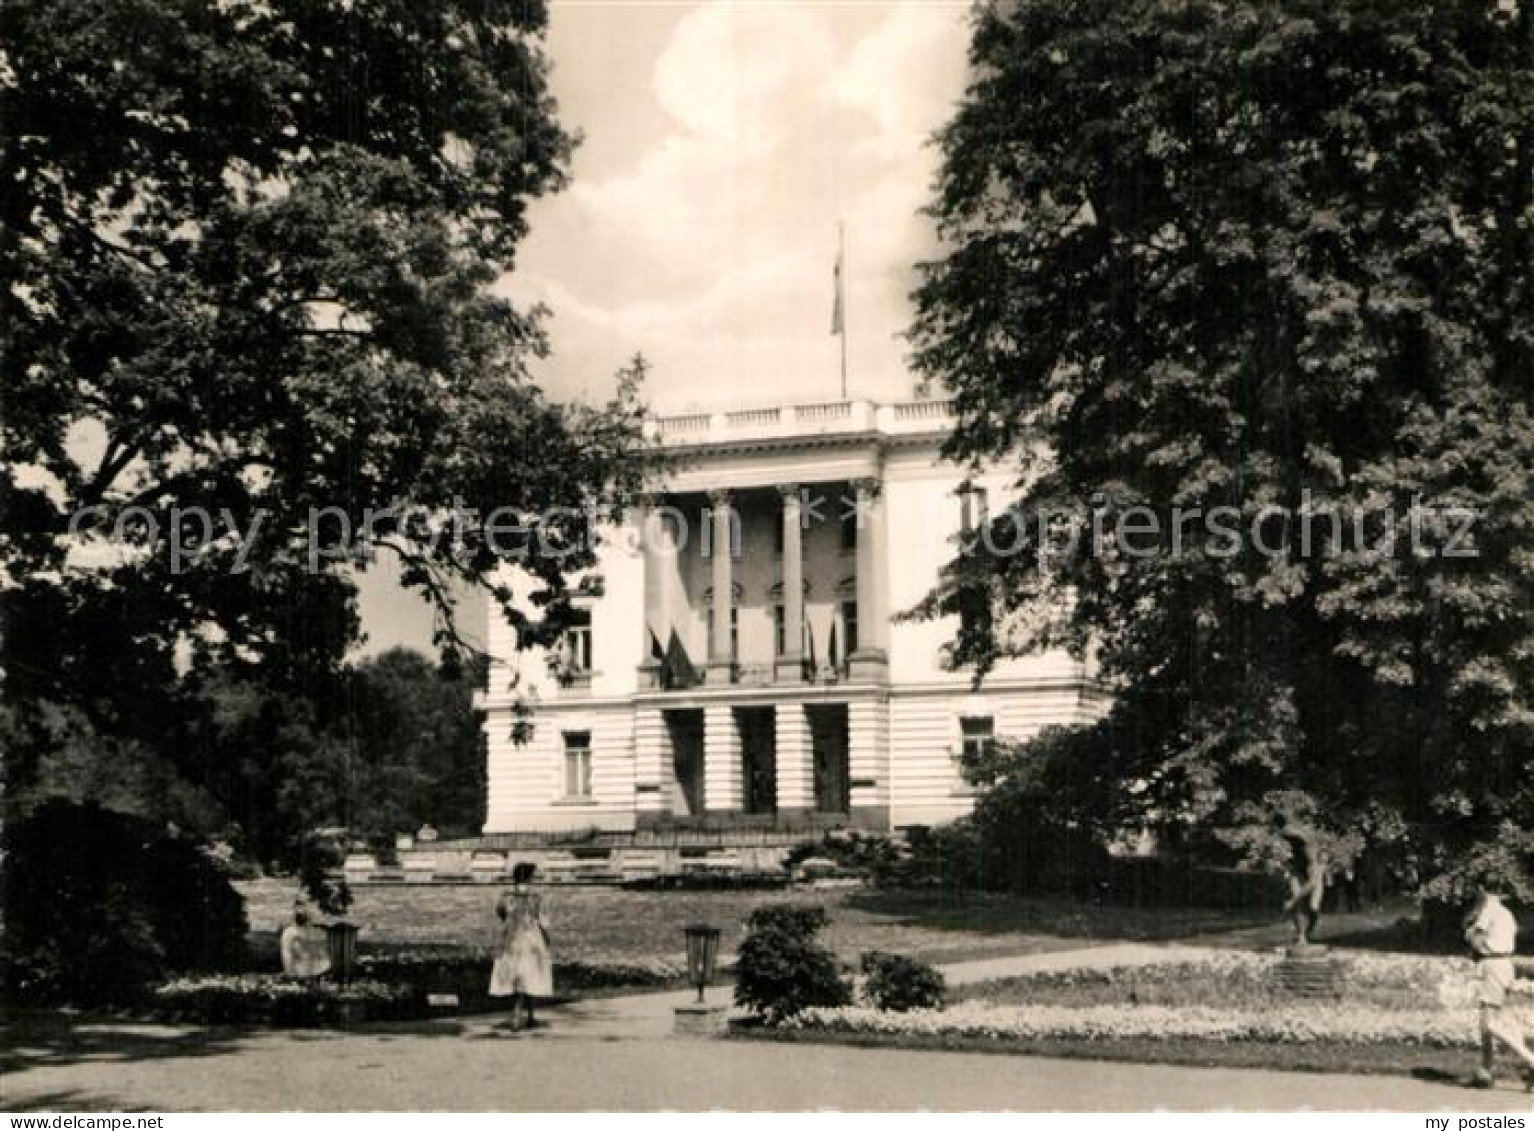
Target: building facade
[{"x": 743, "y": 666}]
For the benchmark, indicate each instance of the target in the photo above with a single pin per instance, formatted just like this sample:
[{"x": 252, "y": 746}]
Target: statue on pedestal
[{"x": 1307, "y": 888}]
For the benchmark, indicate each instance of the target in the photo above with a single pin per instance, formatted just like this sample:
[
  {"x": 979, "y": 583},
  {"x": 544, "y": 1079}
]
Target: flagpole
[{"x": 841, "y": 257}]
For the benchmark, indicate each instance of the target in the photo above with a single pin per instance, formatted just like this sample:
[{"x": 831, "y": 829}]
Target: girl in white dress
[{"x": 523, "y": 969}]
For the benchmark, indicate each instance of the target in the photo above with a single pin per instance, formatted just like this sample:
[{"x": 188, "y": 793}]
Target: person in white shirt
[{"x": 1492, "y": 933}]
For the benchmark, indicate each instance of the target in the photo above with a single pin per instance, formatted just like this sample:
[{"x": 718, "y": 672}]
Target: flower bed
[
  {"x": 272, "y": 999},
  {"x": 398, "y": 985},
  {"x": 1398, "y": 1013},
  {"x": 1294, "y": 1025}
]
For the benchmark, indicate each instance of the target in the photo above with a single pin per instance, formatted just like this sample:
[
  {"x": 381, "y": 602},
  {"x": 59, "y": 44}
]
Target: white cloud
[
  {"x": 739, "y": 75},
  {"x": 906, "y": 75},
  {"x": 711, "y": 251}
]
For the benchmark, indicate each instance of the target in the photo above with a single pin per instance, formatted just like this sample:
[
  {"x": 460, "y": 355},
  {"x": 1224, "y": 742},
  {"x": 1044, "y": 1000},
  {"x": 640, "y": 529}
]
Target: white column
[
  {"x": 795, "y": 765},
  {"x": 722, "y": 772},
  {"x": 651, "y": 532},
  {"x": 868, "y": 740},
  {"x": 870, "y": 659},
  {"x": 790, "y": 665},
  {"x": 652, "y": 771},
  {"x": 721, "y": 663}
]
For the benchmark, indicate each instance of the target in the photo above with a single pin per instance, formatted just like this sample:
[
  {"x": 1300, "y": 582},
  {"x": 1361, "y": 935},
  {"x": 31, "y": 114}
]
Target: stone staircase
[{"x": 670, "y": 857}]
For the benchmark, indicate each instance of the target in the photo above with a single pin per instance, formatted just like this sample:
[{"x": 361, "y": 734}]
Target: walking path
[
  {"x": 646, "y": 1016},
  {"x": 1096, "y": 957}
]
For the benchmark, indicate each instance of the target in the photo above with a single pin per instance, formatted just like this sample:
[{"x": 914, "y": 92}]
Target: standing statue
[{"x": 1307, "y": 888}]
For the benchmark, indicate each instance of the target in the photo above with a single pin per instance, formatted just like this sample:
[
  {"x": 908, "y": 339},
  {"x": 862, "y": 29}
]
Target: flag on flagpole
[{"x": 838, "y": 318}]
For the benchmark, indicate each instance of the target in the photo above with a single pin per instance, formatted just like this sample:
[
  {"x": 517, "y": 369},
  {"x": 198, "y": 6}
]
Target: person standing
[
  {"x": 523, "y": 969},
  {"x": 1492, "y": 933}
]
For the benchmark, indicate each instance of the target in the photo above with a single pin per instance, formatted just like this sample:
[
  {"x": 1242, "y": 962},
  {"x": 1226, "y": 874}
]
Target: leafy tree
[
  {"x": 99, "y": 904},
  {"x": 419, "y": 749},
  {"x": 1258, "y": 255},
  {"x": 278, "y": 760},
  {"x": 249, "y": 255}
]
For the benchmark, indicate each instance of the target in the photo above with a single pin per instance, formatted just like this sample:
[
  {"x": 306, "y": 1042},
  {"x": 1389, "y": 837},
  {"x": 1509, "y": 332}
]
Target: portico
[
  {"x": 739, "y": 667},
  {"x": 768, "y": 758},
  {"x": 793, "y": 615}
]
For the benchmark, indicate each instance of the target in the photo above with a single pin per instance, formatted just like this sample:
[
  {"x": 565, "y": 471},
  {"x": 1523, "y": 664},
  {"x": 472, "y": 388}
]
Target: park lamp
[{"x": 702, "y": 954}]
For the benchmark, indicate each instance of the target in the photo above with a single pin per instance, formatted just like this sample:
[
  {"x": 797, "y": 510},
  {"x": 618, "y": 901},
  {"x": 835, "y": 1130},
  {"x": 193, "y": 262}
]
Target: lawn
[
  {"x": 1237, "y": 981},
  {"x": 593, "y": 924}
]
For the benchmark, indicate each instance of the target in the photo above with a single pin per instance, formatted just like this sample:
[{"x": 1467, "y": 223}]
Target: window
[
  {"x": 977, "y": 736},
  {"x": 578, "y": 642},
  {"x": 577, "y": 763},
  {"x": 849, "y": 627},
  {"x": 973, "y": 508},
  {"x": 779, "y": 630}
]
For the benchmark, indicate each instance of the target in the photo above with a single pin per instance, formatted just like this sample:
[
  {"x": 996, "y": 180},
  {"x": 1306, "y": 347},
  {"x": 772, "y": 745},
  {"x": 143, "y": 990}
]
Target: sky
[{"x": 723, "y": 143}]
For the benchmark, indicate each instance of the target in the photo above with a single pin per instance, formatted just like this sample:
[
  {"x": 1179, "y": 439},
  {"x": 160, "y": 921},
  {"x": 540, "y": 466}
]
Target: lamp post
[
  {"x": 702, "y": 954},
  {"x": 341, "y": 937}
]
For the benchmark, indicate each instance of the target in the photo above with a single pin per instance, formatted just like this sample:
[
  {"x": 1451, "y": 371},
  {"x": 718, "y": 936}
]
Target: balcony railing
[
  {"x": 679, "y": 425},
  {"x": 921, "y": 410},
  {"x": 815, "y": 413},
  {"x": 747, "y": 417},
  {"x": 819, "y": 418}
]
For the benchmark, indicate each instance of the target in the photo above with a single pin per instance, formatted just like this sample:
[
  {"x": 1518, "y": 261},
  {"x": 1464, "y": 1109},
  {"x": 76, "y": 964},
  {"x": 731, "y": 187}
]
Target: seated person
[{"x": 304, "y": 946}]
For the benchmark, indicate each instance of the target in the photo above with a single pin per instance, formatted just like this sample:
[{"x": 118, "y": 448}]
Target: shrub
[
  {"x": 321, "y": 855},
  {"x": 98, "y": 905},
  {"x": 782, "y": 968},
  {"x": 871, "y": 854},
  {"x": 898, "y": 983}
]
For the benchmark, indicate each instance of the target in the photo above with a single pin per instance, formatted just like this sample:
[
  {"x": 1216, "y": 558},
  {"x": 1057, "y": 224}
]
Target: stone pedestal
[
  {"x": 1310, "y": 972},
  {"x": 700, "y": 1019}
]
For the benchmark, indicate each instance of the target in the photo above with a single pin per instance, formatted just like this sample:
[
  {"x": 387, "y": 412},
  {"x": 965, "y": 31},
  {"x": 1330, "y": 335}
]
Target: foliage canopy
[{"x": 1258, "y": 255}]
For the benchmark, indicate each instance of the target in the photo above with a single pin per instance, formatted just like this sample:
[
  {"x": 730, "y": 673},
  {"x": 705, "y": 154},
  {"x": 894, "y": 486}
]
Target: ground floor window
[{"x": 578, "y": 763}]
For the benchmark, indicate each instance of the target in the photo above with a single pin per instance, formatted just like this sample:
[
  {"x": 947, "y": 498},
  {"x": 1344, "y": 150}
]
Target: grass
[
  {"x": 1187, "y": 984},
  {"x": 594, "y": 924}
]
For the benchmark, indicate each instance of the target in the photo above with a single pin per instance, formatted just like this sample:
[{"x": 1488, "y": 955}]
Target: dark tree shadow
[
  {"x": 72, "y": 1099},
  {"x": 40, "y": 1039}
]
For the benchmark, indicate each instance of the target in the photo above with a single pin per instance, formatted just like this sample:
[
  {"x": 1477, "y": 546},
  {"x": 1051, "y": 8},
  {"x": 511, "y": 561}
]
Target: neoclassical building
[{"x": 743, "y": 666}]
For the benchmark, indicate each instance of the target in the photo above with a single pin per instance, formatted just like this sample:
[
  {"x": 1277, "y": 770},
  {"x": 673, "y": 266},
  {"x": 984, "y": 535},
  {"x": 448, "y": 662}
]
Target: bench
[
  {"x": 639, "y": 865},
  {"x": 419, "y": 867},
  {"x": 559, "y": 869},
  {"x": 716, "y": 863},
  {"x": 487, "y": 867}
]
